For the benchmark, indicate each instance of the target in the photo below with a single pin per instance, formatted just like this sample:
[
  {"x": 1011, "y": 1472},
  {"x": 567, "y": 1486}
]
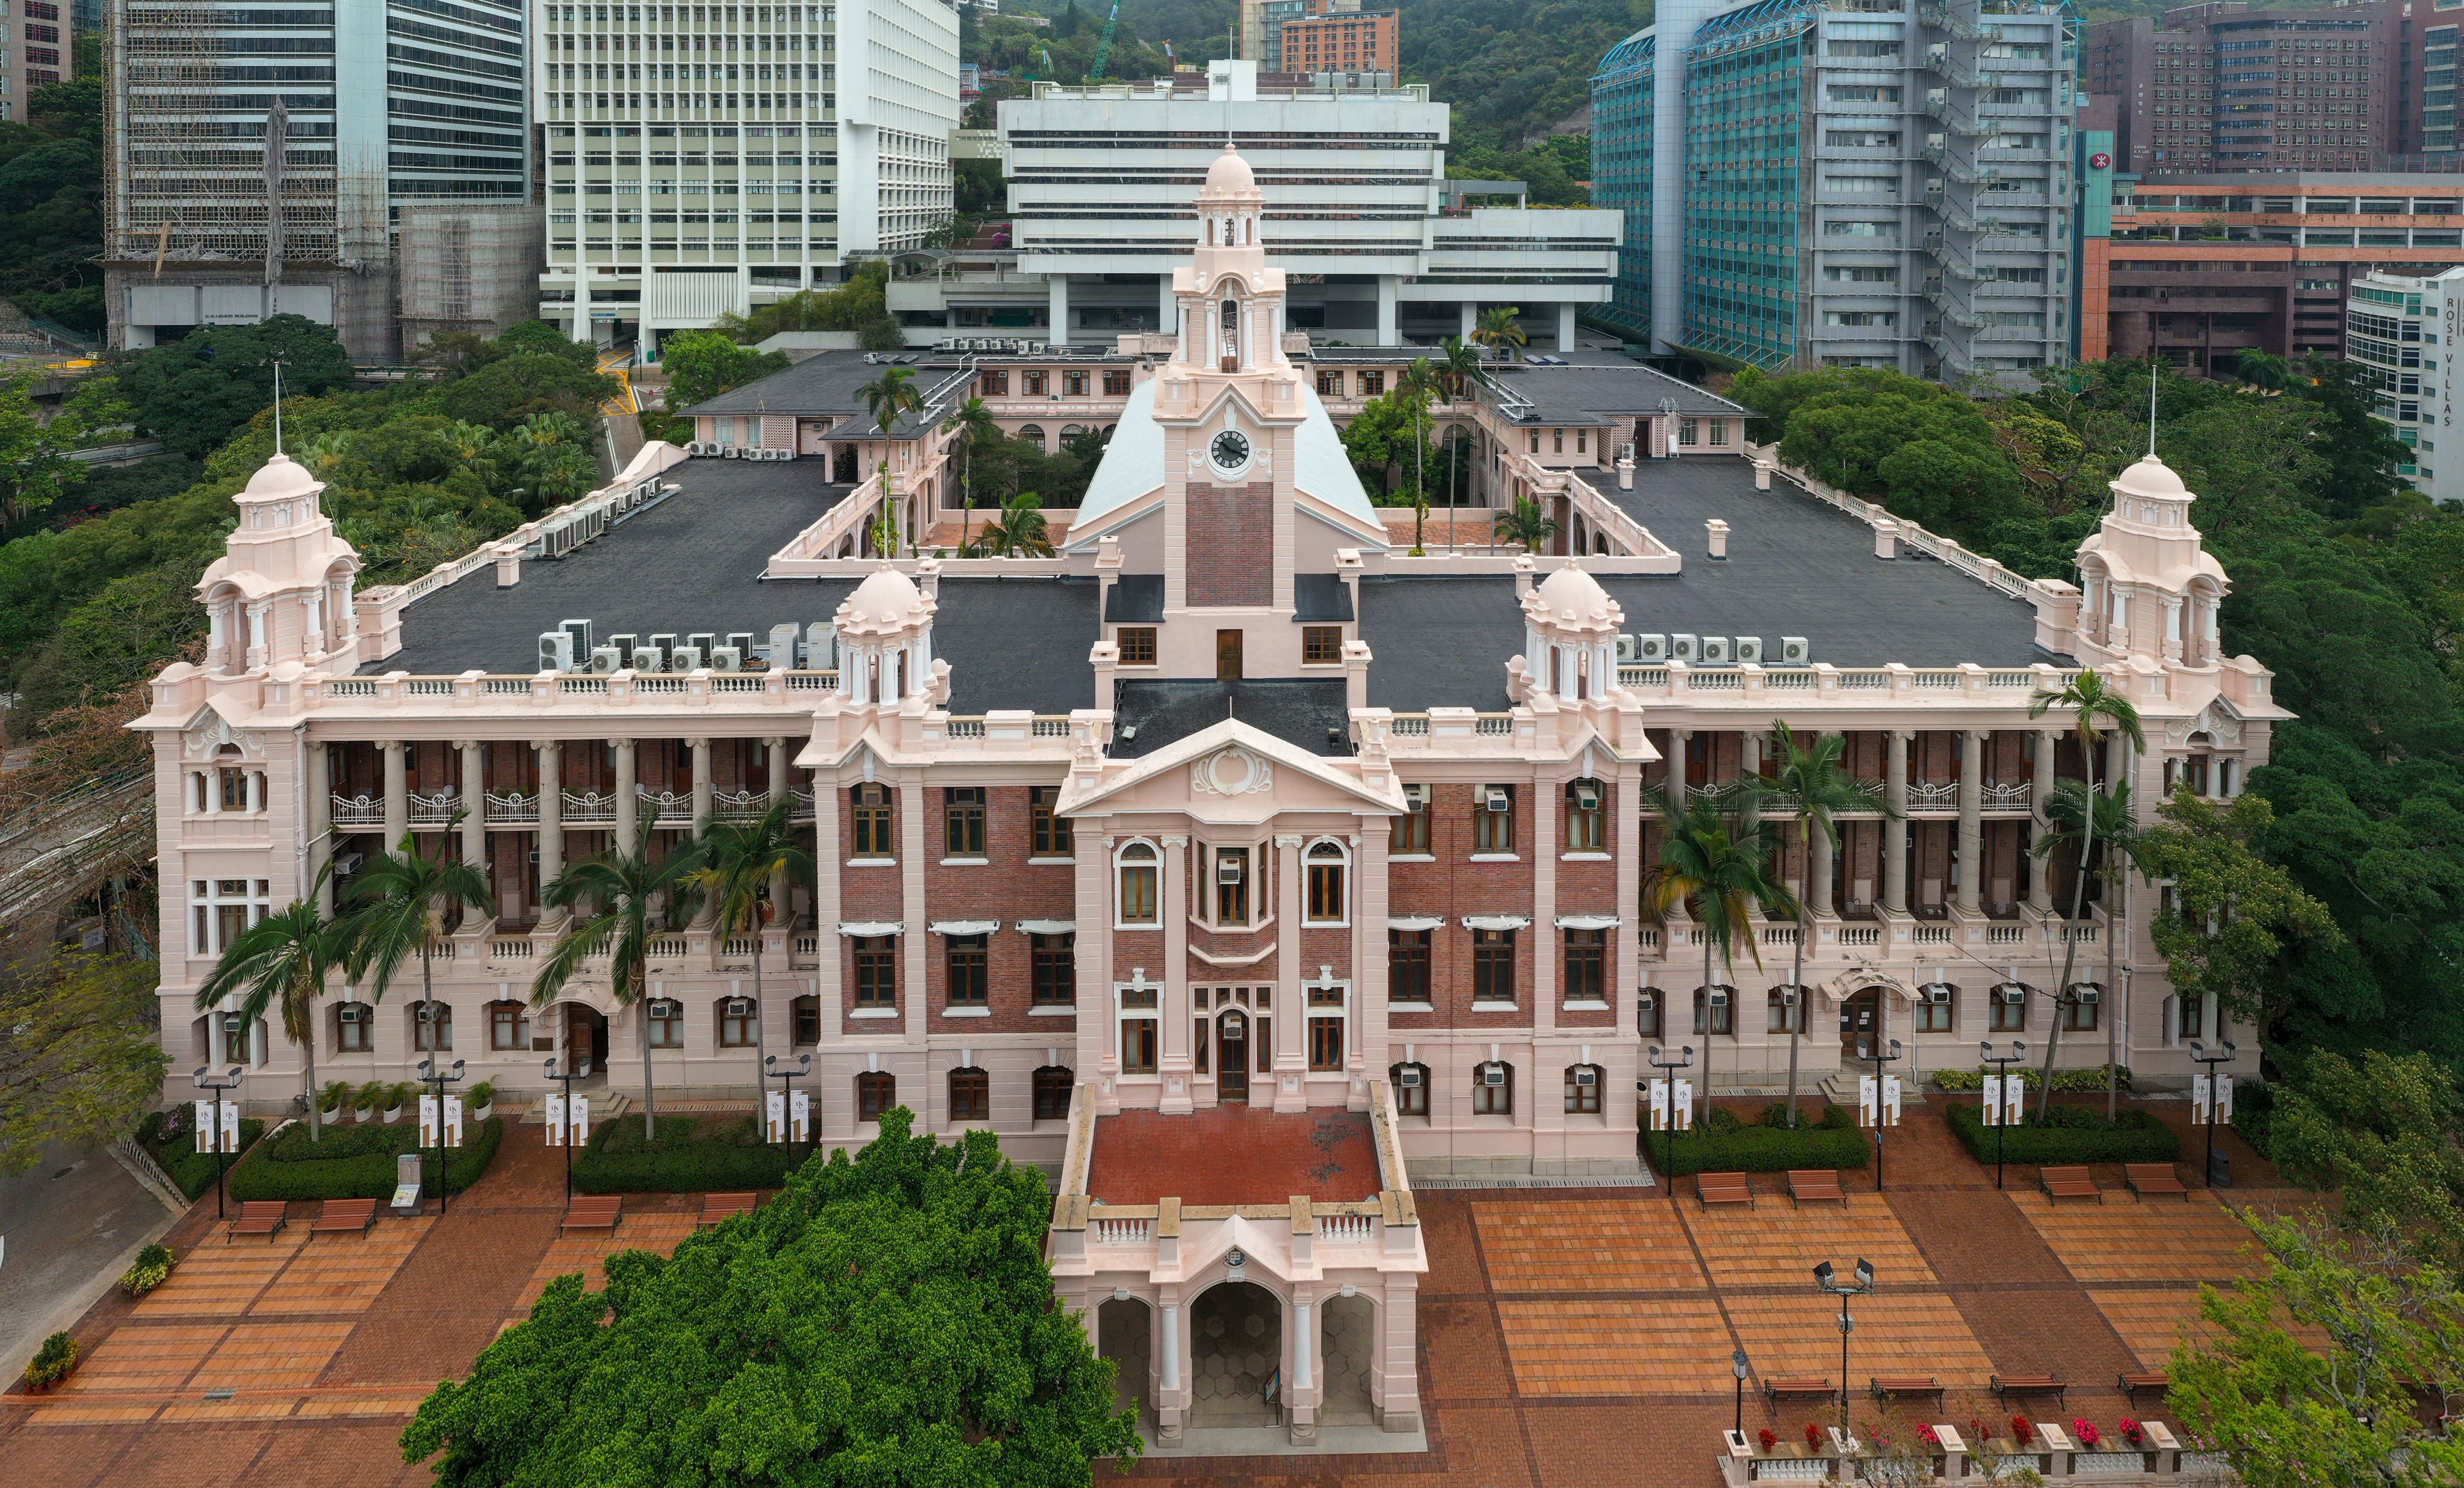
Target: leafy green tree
[
  {"x": 1525, "y": 522},
  {"x": 80, "y": 1062},
  {"x": 617, "y": 904},
  {"x": 2235, "y": 916},
  {"x": 1716, "y": 864},
  {"x": 34, "y": 463},
  {"x": 405, "y": 904},
  {"x": 885, "y": 1320},
  {"x": 889, "y": 397},
  {"x": 195, "y": 391},
  {"x": 746, "y": 868},
  {"x": 282, "y": 961},
  {"x": 2094, "y": 709},
  {"x": 2079, "y": 816},
  {"x": 702, "y": 364},
  {"x": 2385, "y": 1131},
  {"x": 1018, "y": 532},
  {"x": 51, "y": 205},
  {"x": 510, "y": 388},
  {"x": 1811, "y": 774}
]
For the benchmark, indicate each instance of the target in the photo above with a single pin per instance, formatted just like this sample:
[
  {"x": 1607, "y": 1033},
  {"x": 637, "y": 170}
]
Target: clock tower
[{"x": 1225, "y": 477}]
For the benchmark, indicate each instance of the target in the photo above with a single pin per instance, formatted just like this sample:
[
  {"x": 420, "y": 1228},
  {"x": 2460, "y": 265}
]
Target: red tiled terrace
[{"x": 1233, "y": 1156}]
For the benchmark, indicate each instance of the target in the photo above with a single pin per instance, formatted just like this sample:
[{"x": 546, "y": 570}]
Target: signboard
[
  {"x": 1869, "y": 1096},
  {"x": 205, "y": 1125},
  {"x": 448, "y": 1132},
  {"x": 1659, "y": 1106},
  {"x": 775, "y": 1107},
  {"x": 2100, "y": 161},
  {"x": 1891, "y": 1111},
  {"x": 581, "y": 1120},
  {"x": 2015, "y": 1102},
  {"x": 2224, "y": 1101},
  {"x": 799, "y": 1115},
  {"x": 555, "y": 1120},
  {"x": 231, "y": 1126},
  {"x": 1684, "y": 1107}
]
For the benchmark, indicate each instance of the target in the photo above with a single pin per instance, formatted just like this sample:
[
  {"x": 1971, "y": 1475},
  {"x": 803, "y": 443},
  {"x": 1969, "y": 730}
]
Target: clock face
[{"x": 1231, "y": 450}]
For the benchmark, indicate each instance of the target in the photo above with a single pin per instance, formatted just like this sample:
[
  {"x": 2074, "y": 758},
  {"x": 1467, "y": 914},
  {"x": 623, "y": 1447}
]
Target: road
[{"x": 63, "y": 1226}]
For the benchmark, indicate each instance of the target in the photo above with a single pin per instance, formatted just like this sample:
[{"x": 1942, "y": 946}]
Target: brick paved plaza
[{"x": 1567, "y": 1336}]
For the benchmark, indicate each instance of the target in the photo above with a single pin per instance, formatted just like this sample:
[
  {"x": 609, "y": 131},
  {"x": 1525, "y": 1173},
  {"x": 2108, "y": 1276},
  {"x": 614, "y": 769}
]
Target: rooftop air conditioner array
[{"x": 1652, "y": 648}]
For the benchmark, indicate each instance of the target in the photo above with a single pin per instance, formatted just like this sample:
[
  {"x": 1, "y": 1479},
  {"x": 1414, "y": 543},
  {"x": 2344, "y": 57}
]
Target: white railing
[
  {"x": 1607, "y": 516},
  {"x": 804, "y": 945},
  {"x": 737, "y": 946},
  {"x": 1120, "y": 1232},
  {"x": 510, "y": 949},
  {"x": 1054, "y": 726},
  {"x": 1865, "y": 679},
  {"x": 1648, "y": 938},
  {"x": 433, "y": 810},
  {"x": 666, "y": 808},
  {"x": 802, "y": 809},
  {"x": 664, "y": 689},
  {"x": 1410, "y": 725},
  {"x": 358, "y": 810},
  {"x": 2085, "y": 934},
  {"x": 1861, "y": 935},
  {"x": 2006, "y": 798},
  {"x": 2006, "y": 934},
  {"x": 743, "y": 805},
  {"x": 1347, "y": 1229},
  {"x": 1493, "y": 724},
  {"x": 669, "y": 947},
  {"x": 966, "y": 728},
  {"x": 1780, "y": 934},
  {"x": 1930, "y": 934},
  {"x": 588, "y": 808},
  {"x": 1932, "y": 796},
  {"x": 822, "y": 540}
]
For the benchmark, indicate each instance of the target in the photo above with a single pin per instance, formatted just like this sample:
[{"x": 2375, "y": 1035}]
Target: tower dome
[{"x": 1230, "y": 179}]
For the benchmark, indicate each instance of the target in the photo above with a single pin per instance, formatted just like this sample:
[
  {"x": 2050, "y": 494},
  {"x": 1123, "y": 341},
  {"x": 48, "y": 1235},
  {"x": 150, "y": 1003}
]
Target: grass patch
[
  {"x": 2072, "y": 1135},
  {"x": 354, "y": 1161},
  {"x": 1723, "y": 1143},
  {"x": 168, "y": 1135},
  {"x": 690, "y": 1156}
]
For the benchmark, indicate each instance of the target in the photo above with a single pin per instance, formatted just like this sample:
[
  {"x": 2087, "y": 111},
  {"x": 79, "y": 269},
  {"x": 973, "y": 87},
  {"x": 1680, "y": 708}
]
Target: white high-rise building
[
  {"x": 2393, "y": 324},
  {"x": 703, "y": 158}
]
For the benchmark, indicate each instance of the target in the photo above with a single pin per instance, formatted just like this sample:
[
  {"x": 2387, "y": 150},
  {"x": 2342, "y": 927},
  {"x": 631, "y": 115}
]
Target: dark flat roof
[
  {"x": 827, "y": 384},
  {"x": 1299, "y": 710}
]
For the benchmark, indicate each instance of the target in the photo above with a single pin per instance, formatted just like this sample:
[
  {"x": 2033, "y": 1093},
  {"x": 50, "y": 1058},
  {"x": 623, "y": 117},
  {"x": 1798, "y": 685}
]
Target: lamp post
[
  {"x": 208, "y": 1080},
  {"x": 1737, "y": 1361},
  {"x": 572, "y": 1073},
  {"x": 2002, "y": 1063},
  {"x": 1828, "y": 1280},
  {"x": 1865, "y": 1050},
  {"x": 787, "y": 1079},
  {"x": 1667, "y": 1068},
  {"x": 430, "y": 1073},
  {"x": 2199, "y": 1053}
]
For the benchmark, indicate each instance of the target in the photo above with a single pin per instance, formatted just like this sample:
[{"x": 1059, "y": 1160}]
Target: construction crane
[{"x": 1104, "y": 45}]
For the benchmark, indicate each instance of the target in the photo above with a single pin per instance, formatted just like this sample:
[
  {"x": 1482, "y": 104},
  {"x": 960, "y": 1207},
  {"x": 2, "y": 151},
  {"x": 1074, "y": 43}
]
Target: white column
[
  {"x": 1057, "y": 288},
  {"x": 1895, "y": 829},
  {"x": 397, "y": 795},
  {"x": 1167, "y": 314},
  {"x": 628, "y": 800},
  {"x": 1388, "y": 335},
  {"x": 1304, "y": 1348},
  {"x": 1971, "y": 822},
  {"x": 1565, "y": 327},
  {"x": 702, "y": 803},
  {"x": 2040, "y": 796},
  {"x": 551, "y": 816},
  {"x": 1470, "y": 320},
  {"x": 1171, "y": 1343},
  {"x": 1820, "y": 880},
  {"x": 1291, "y": 1004}
]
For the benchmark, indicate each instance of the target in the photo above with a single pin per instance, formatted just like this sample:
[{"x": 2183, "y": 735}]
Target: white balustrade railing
[
  {"x": 2006, "y": 798},
  {"x": 669, "y": 947},
  {"x": 1347, "y": 1229},
  {"x": 1120, "y": 1232},
  {"x": 510, "y": 949},
  {"x": 1930, "y": 934},
  {"x": 804, "y": 945},
  {"x": 2006, "y": 934},
  {"x": 666, "y": 808},
  {"x": 1932, "y": 794},
  {"x": 1861, "y": 935},
  {"x": 513, "y": 807},
  {"x": 358, "y": 810},
  {"x": 433, "y": 810},
  {"x": 588, "y": 808}
]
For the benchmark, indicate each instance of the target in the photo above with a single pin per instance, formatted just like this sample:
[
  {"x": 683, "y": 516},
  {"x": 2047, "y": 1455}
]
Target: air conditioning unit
[
  {"x": 1496, "y": 798},
  {"x": 685, "y": 658},
  {"x": 1650, "y": 649},
  {"x": 726, "y": 658},
  {"x": 428, "y": 1012},
  {"x": 701, "y": 640},
  {"x": 554, "y": 651},
  {"x": 781, "y": 653},
  {"x": 1716, "y": 651},
  {"x": 1628, "y": 650},
  {"x": 627, "y": 643},
  {"x": 1228, "y": 869},
  {"x": 2086, "y": 996},
  {"x": 1408, "y": 1077},
  {"x": 2012, "y": 996},
  {"x": 348, "y": 864},
  {"x": 742, "y": 641},
  {"x": 605, "y": 659},
  {"x": 822, "y": 646},
  {"x": 1587, "y": 1076},
  {"x": 350, "y": 1013},
  {"x": 1684, "y": 648},
  {"x": 1416, "y": 796},
  {"x": 740, "y": 1007},
  {"x": 1749, "y": 648},
  {"x": 1492, "y": 1074},
  {"x": 646, "y": 658},
  {"x": 1937, "y": 992},
  {"x": 1795, "y": 651},
  {"x": 1719, "y": 998},
  {"x": 1586, "y": 795},
  {"x": 580, "y": 630},
  {"x": 1648, "y": 999}
]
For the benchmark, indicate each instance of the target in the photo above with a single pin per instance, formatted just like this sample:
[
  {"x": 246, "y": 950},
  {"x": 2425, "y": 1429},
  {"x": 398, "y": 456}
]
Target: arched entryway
[
  {"x": 1860, "y": 1018},
  {"x": 1125, "y": 1334},
  {"x": 1344, "y": 1356},
  {"x": 586, "y": 1036},
  {"x": 1235, "y": 1347}
]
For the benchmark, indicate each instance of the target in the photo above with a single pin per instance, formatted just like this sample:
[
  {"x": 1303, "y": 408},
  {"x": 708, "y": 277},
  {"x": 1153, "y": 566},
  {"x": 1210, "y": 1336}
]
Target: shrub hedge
[
  {"x": 354, "y": 1161},
  {"x": 688, "y": 1157},
  {"x": 2075, "y": 1134},
  {"x": 166, "y": 1135},
  {"x": 1972, "y": 1081},
  {"x": 1724, "y": 1143}
]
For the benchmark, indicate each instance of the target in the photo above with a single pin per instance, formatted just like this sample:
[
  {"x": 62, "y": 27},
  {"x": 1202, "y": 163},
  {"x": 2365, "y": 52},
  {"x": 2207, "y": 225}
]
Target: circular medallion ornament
[{"x": 1230, "y": 449}]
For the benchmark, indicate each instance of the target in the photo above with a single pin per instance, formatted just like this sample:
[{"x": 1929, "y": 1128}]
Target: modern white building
[
  {"x": 1101, "y": 180},
  {"x": 705, "y": 159},
  {"x": 2394, "y": 325}
]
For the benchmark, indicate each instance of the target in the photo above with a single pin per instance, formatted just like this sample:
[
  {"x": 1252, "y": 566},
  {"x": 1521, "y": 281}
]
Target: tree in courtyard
[
  {"x": 1417, "y": 386},
  {"x": 702, "y": 364},
  {"x": 1499, "y": 329},
  {"x": 1524, "y": 522},
  {"x": 79, "y": 1058},
  {"x": 888, "y": 1318},
  {"x": 2094, "y": 709},
  {"x": 1020, "y": 531},
  {"x": 1811, "y": 775},
  {"x": 406, "y": 904},
  {"x": 2232, "y": 917},
  {"x": 746, "y": 869},
  {"x": 284, "y": 961},
  {"x": 1463, "y": 364},
  {"x": 1715, "y": 864},
  {"x": 888, "y": 397},
  {"x": 970, "y": 426},
  {"x": 618, "y": 904},
  {"x": 2077, "y": 814}
]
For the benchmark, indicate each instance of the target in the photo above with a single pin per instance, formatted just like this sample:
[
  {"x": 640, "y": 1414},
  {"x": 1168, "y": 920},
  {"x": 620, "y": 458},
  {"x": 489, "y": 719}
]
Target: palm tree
[
  {"x": 742, "y": 862},
  {"x": 972, "y": 425},
  {"x": 886, "y": 399},
  {"x": 2264, "y": 369},
  {"x": 1414, "y": 389},
  {"x": 628, "y": 900},
  {"x": 1020, "y": 529},
  {"x": 1463, "y": 362},
  {"x": 400, "y": 906},
  {"x": 1809, "y": 771},
  {"x": 1501, "y": 327},
  {"x": 1525, "y": 523},
  {"x": 1717, "y": 864},
  {"x": 2077, "y": 814},
  {"x": 2095, "y": 708},
  {"x": 282, "y": 958}
]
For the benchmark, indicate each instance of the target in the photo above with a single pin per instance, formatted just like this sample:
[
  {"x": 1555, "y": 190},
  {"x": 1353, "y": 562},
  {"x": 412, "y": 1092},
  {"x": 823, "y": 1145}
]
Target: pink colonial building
[{"x": 1237, "y": 865}]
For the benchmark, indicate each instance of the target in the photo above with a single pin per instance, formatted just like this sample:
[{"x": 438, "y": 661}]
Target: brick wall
[{"x": 1231, "y": 544}]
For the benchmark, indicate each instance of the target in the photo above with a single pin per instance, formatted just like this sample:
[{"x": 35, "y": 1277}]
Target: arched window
[
  {"x": 1138, "y": 865},
  {"x": 1411, "y": 1086},
  {"x": 431, "y": 1026},
  {"x": 1248, "y": 229},
  {"x": 1231, "y": 316},
  {"x": 1034, "y": 432},
  {"x": 1583, "y": 1084},
  {"x": 875, "y": 1092},
  {"x": 1210, "y": 232},
  {"x": 1327, "y": 863},
  {"x": 1492, "y": 1088},
  {"x": 736, "y": 1018},
  {"x": 1053, "y": 1083},
  {"x": 1586, "y": 810},
  {"x": 971, "y": 1094},
  {"x": 355, "y": 1028}
]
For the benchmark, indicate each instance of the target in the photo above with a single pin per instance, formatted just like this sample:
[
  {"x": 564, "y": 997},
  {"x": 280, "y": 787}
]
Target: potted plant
[
  {"x": 1768, "y": 1439},
  {"x": 152, "y": 1269},
  {"x": 396, "y": 1097},
  {"x": 331, "y": 1100},
  {"x": 2134, "y": 1433},
  {"x": 2083, "y": 1430},
  {"x": 483, "y": 1099},
  {"x": 52, "y": 1362},
  {"x": 364, "y": 1103}
]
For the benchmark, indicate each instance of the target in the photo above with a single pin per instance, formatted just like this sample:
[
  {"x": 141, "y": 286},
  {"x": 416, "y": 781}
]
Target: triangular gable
[{"x": 1231, "y": 779}]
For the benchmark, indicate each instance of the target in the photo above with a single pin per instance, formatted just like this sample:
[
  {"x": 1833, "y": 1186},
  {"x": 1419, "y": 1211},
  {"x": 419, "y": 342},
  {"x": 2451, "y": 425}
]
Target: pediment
[
  {"x": 1230, "y": 773},
  {"x": 208, "y": 732}
]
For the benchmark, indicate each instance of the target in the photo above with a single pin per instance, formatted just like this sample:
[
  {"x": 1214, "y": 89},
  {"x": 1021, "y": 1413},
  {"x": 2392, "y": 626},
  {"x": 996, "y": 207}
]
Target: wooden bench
[
  {"x": 2069, "y": 1183},
  {"x": 2146, "y": 1178},
  {"x": 719, "y": 1208},
  {"x": 1805, "y": 1185},
  {"x": 260, "y": 1216},
  {"x": 2131, "y": 1383},
  {"x": 344, "y": 1217},
  {"x": 1891, "y": 1387},
  {"x": 1798, "y": 1389},
  {"x": 1723, "y": 1188},
  {"x": 598, "y": 1212},
  {"x": 2007, "y": 1385}
]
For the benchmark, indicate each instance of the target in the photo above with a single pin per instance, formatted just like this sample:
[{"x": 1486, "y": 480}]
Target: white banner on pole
[
  {"x": 1868, "y": 1096},
  {"x": 231, "y": 1126},
  {"x": 2015, "y": 1102},
  {"x": 452, "y": 1121},
  {"x": 1890, "y": 1111},
  {"x": 1685, "y": 1106},
  {"x": 2199, "y": 1084},
  {"x": 775, "y": 1108},
  {"x": 581, "y": 1120},
  {"x": 205, "y": 1125},
  {"x": 555, "y": 1120},
  {"x": 428, "y": 1121},
  {"x": 2224, "y": 1099},
  {"x": 1993, "y": 1112},
  {"x": 799, "y": 1115},
  {"x": 1660, "y": 1105}
]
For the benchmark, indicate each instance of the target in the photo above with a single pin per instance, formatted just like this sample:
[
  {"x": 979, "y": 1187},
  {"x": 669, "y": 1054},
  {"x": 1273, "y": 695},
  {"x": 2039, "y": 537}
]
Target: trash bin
[
  {"x": 2219, "y": 1168},
  {"x": 405, "y": 1183}
]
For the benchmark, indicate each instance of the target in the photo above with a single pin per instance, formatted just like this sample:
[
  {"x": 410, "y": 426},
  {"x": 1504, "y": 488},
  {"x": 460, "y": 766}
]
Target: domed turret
[
  {"x": 1570, "y": 635},
  {"x": 885, "y": 639},
  {"x": 1230, "y": 179},
  {"x": 281, "y": 591}
]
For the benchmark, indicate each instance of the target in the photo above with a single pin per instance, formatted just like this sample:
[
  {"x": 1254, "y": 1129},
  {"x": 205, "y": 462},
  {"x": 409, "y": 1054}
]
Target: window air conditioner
[
  {"x": 1492, "y": 1074},
  {"x": 2086, "y": 997},
  {"x": 1937, "y": 993},
  {"x": 428, "y": 1012},
  {"x": 348, "y": 864},
  {"x": 1496, "y": 798},
  {"x": 1416, "y": 796},
  {"x": 348, "y": 1013},
  {"x": 1587, "y": 796},
  {"x": 1719, "y": 998},
  {"x": 740, "y": 1007},
  {"x": 1749, "y": 648},
  {"x": 1650, "y": 649},
  {"x": 1587, "y": 1076},
  {"x": 1408, "y": 1077},
  {"x": 1795, "y": 651},
  {"x": 2012, "y": 996},
  {"x": 1227, "y": 869},
  {"x": 1648, "y": 1002}
]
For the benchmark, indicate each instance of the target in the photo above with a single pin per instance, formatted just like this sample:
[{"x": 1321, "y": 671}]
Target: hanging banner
[
  {"x": 581, "y": 1121},
  {"x": 1868, "y": 1096},
  {"x": 2223, "y": 1112},
  {"x": 2199, "y": 1098},
  {"x": 205, "y": 1125},
  {"x": 799, "y": 1115},
  {"x": 775, "y": 1107},
  {"x": 1659, "y": 1106},
  {"x": 556, "y": 1121},
  {"x": 427, "y": 1125},
  {"x": 230, "y": 1126},
  {"x": 1993, "y": 1112},
  {"x": 2015, "y": 1102},
  {"x": 452, "y": 1121},
  {"x": 1890, "y": 1111},
  {"x": 1685, "y": 1106}
]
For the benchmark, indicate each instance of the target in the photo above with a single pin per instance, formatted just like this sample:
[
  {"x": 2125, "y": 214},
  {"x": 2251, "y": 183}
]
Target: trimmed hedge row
[
  {"x": 1833, "y": 1139},
  {"x": 353, "y": 1162},
  {"x": 2075, "y": 1135},
  {"x": 1972, "y": 1081},
  {"x": 174, "y": 1148},
  {"x": 688, "y": 1157}
]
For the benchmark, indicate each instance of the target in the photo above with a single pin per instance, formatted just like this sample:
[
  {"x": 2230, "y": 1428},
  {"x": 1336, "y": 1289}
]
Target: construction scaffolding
[{"x": 466, "y": 267}]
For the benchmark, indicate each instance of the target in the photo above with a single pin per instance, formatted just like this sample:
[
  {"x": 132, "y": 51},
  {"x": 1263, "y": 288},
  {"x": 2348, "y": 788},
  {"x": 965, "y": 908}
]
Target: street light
[
  {"x": 207, "y": 1080},
  {"x": 1737, "y": 1361},
  {"x": 430, "y": 1074},
  {"x": 572, "y": 1073},
  {"x": 1667, "y": 1068},
  {"x": 2002, "y": 1063},
  {"x": 1863, "y": 1287},
  {"x": 1865, "y": 1050},
  {"x": 786, "y": 1079},
  {"x": 2199, "y": 1053}
]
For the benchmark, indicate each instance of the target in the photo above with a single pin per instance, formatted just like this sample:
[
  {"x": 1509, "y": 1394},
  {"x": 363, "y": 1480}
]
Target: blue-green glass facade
[
  {"x": 1621, "y": 135},
  {"x": 1745, "y": 77}
]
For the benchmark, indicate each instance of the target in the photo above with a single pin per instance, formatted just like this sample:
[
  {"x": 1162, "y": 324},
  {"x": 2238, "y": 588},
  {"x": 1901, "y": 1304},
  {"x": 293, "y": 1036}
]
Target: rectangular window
[
  {"x": 2192, "y": 1020},
  {"x": 965, "y": 962},
  {"x": 1408, "y": 835},
  {"x": 1052, "y": 1086},
  {"x": 353, "y": 1035},
  {"x": 1723, "y": 1014},
  {"x": 1325, "y": 1043},
  {"x": 1138, "y": 645},
  {"x": 736, "y": 1027},
  {"x": 1051, "y": 834},
  {"x": 1056, "y": 971},
  {"x": 1372, "y": 384},
  {"x": 431, "y": 1027},
  {"x": 1935, "y": 1018},
  {"x": 1586, "y": 958},
  {"x": 1037, "y": 383},
  {"x": 2008, "y": 1017},
  {"x": 668, "y": 1032},
  {"x": 965, "y": 820},
  {"x": 873, "y": 822},
  {"x": 1073, "y": 384},
  {"x": 1198, "y": 1043},
  {"x": 874, "y": 1094},
  {"x": 1407, "y": 966},
  {"x": 1646, "y": 1018},
  {"x": 1330, "y": 384},
  {"x": 1327, "y": 904},
  {"x": 1263, "y": 1030},
  {"x": 1583, "y": 1090},
  {"x": 1779, "y": 1012},
  {"x": 1587, "y": 823},
  {"x": 1116, "y": 384},
  {"x": 807, "y": 1021},
  {"x": 1492, "y": 1090},
  {"x": 1321, "y": 645},
  {"x": 993, "y": 385},
  {"x": 1492, "y": 966},
  {"x": 2078, "y": 1017},
  {"x": 509, "y": 1027},
  {"x": 876, "y": 972},
  {"x": 1493, "y": 820},
  {"x": 1230, "y": 873},
  {"x": 1138, "y": 1045},
  {"x": 1138, "y": 884},
  {"x": 971, "y": 1095},
  {"x": 1411, "y": 1086}
]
